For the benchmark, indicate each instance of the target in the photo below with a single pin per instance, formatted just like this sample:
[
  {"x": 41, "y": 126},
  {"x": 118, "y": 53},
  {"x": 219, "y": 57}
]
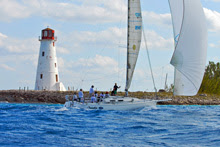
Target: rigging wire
[
  {"x": 83, "y": 76},
  {"x": 105, "y": 76},
  {"x": 149, "y": 61},
  {"x": 120, "y": 27},
  {"x": 161, "y": 79}
]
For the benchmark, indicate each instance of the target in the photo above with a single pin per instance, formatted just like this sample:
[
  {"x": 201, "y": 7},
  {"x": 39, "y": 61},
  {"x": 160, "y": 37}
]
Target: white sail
[
  {"x": 134, "y": 38},
  {"x": 190, "y": 35}
]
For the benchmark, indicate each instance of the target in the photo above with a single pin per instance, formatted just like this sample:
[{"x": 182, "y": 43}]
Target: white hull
[{"x": 116, "y": 103}]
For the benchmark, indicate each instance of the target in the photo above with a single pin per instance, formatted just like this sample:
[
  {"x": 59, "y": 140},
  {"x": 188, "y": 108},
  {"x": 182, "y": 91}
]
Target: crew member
[
  {"x": 93, "y": 99},
  {"x": 91, "y": 91},
  {"x": 115, "y": 88},
  {"x": 80, "y": 95}
]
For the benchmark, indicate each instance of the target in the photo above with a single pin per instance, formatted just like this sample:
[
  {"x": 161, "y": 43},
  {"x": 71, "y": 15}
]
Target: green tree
[{"x": 211, "y": 80}]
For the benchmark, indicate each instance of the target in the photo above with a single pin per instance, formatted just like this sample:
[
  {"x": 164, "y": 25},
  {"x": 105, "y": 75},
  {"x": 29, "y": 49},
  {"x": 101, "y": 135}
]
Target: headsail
[
  {"x": 134, "y": 38},
  {"x": 190, "y": 34}
]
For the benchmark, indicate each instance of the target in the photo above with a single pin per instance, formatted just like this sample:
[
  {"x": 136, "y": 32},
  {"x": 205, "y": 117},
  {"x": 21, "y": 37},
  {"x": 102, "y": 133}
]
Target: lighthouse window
[
  {"x": 41, "y": 76},
  {"x": 55, "y": 65},
  {"x": 45, "y": 33},
  {"x": 50, "y": 33},
  {"x": 56, "y": 78},
  {"x": 42, "y": 53}
]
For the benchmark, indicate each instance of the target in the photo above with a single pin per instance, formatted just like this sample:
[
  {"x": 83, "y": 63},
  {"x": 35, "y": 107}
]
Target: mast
[
  {"x": 126, "y": 88},
  {"x": 166, "y": 81},
  {"x": 134, "y": 36}
]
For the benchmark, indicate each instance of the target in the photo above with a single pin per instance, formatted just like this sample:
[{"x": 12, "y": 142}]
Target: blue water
[{"x": 53, "y": 125}]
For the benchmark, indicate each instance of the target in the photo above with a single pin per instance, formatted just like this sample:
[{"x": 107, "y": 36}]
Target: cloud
[
  {"x": 98, "y": 64},
  {"x": 3, "y": 36},
  {"x": 12, "y": 9},
  {"x": 213, "y": 18},
  {"x": 157, "y": 42},
  {"x": 215, "y": 59},
  {"x": 212, "y": 45},
  {"x": 2, "y": 39},
  {"x": 90, "y": 12},
  {"x": 6, "y": 67},
  {"x": 80, "y": 41},
  {"x": 99, "y": 70},
  {"x": 18, "y": 52},
  {"x": 162, "y": 20},
  {"x": 61, "y": 62},
  {"x": 110, "y": 35},
  {"x": 85, "y": 11},
  {"x": 111, "y": 38},
  {"x": 143, "y": 77},
  {"x": 215, "y": 45},
  {"x": 15, "y": 45},
  {"x": 62, "y": 50}
]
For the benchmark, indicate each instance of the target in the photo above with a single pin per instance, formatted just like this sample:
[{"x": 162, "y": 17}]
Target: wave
[{"x": 62, "y": 109}]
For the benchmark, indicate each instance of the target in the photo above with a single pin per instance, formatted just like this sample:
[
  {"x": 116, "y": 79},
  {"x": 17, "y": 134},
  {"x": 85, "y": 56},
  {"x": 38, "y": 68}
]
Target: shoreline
[{"x": 57, "y": 97}]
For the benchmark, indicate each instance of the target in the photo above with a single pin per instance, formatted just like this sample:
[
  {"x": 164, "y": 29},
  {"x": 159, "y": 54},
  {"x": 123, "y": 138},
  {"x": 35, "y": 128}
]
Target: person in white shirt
[
  {"x": 96, "y": 94},
  {"x": 93, "y": 99},
  {"x": 67, "y": 98},
  {"x": 101, "y": 95},
  {"x": 80, "y": 95},
  {"x": 91, "y": 91},
  {"x": 74, "y": 97}
]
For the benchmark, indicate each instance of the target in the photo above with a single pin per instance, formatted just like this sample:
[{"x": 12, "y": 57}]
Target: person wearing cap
[
  {"x": 106, "y": 94},
  {"x": 80, "y": 96},
  {"x": 91, "y": 91},
  {"x": 115, "y": 88}
]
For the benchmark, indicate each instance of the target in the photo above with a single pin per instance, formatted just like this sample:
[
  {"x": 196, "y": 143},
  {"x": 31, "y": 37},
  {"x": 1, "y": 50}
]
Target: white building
[{"x": 47, "y": 77}]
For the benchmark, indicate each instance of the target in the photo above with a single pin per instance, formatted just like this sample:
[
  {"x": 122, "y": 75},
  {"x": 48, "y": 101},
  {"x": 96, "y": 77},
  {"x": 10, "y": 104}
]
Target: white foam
[
  {"x": 4, "y": 102},
  {"x": 62, "y": 109}
]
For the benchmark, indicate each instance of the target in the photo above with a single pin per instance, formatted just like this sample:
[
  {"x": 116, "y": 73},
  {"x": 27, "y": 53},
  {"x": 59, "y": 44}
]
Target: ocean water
[{"x": 53, "y": 125}]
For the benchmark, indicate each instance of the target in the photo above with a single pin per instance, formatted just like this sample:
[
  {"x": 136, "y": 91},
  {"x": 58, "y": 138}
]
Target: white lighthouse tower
[{"x": 47, "y": 71}]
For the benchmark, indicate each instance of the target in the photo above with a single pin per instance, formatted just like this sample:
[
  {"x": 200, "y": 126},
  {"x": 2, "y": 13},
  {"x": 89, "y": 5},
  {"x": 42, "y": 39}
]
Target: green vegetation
[{"x": 211, "y": 80}]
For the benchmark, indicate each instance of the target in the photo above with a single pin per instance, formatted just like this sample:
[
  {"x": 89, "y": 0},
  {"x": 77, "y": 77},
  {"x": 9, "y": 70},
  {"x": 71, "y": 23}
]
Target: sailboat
[
  {"x": 134, "y": 37},
  {"x": 190, "y": 35},
  {"x": 189, "y": 57}
]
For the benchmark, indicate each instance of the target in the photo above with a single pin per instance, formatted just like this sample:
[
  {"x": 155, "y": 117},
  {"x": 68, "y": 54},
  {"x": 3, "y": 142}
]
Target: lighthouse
[{"x": 47, "y": 77}]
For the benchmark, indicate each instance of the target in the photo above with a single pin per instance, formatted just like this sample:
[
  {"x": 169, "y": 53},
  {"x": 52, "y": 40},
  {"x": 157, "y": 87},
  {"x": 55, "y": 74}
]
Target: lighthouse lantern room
[
  {"x": 48, "y": 34},
  {"x": 47, "y": 77}
]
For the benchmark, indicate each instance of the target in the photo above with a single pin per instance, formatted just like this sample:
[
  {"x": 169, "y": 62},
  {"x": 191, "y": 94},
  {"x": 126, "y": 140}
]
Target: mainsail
[
  {"x": 134, "y": 38},
  {"x": 190, "y": 35}
]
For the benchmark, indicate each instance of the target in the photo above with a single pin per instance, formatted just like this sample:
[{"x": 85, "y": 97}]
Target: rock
[
  {"x": 162, "y": 90},
  {"x": 205, "y": 95}
]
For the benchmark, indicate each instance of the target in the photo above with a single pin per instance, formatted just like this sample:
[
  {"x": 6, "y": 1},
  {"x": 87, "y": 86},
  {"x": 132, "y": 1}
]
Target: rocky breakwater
[
  {"x": 56, "y": 97},
  {"x": 195, "y": 100},
  {"x": 19, "y": 96},
  {"x": 200, "y": 99}
]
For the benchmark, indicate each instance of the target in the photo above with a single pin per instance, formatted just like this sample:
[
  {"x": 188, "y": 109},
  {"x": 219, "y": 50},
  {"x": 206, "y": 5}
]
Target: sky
[{"x": 91, "y": 42}]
